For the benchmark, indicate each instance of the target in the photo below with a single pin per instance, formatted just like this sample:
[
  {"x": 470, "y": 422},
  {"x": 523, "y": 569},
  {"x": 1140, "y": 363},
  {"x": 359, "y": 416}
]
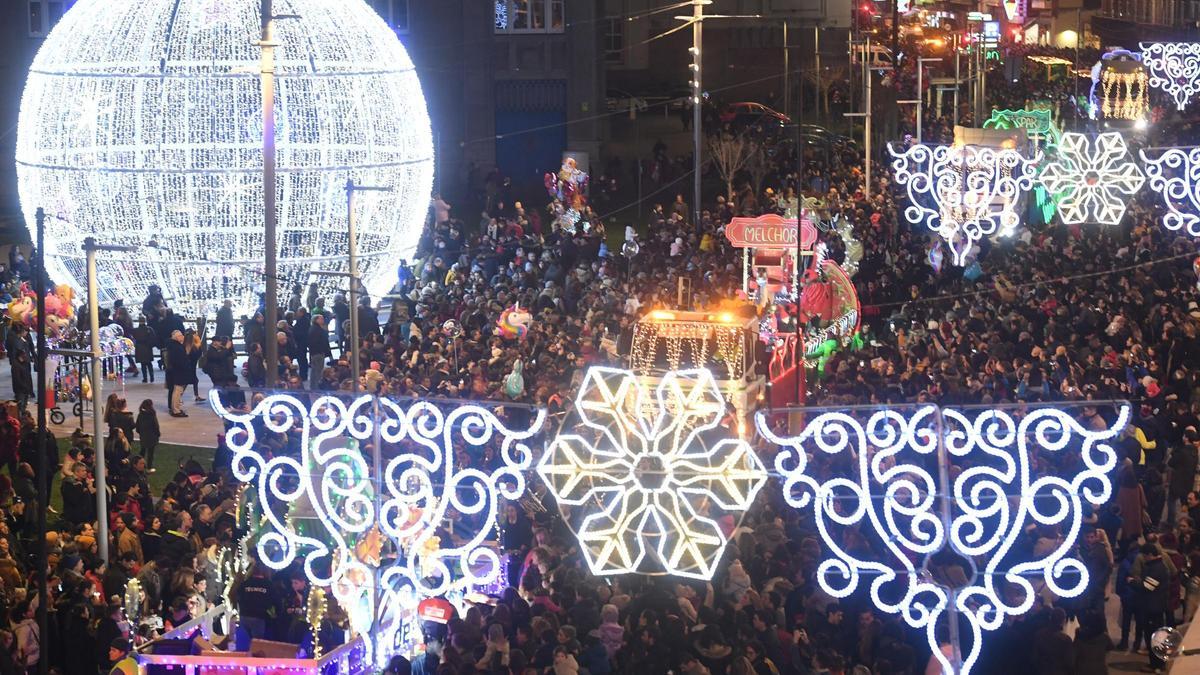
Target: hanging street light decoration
[
  {"x": 651, "y": 482},
  {"x": 1175, "y": 68},
  {"x": 363, "y": 522},
  {"x": 945, "y": 494},
  {"x": 1093, "y": 177},
  {"x": 1175, "y": 175},
  {"x": 963, "y": 192}
]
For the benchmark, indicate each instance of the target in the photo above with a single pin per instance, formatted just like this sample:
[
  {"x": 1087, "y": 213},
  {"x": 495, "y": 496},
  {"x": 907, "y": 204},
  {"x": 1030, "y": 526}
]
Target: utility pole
[
  {"x": 957, "y": 76},
  {"x": 921, "y": 61},
  {"x": 787, "y": 72},
  {"x": 697, "y": 97},
  {"x": 352, "y": 232},
  {"x": 43, "y": 477},
  {"x": 271, "y": 267},
  {"x": 866, "y": 114}
]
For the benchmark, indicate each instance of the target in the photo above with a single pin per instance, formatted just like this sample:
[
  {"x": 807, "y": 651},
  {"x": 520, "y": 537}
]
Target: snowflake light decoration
[
  {"x": 145, "y": 117},
  {"x": 963, "y": 192},
  {"x": 1092, "y": 178},
  {"x": 644, "y": 480},
  {"x": 945, "y": 539},
  {"x": 360, "y": 507},
  {"x": 1175, "y": 68},
  {"x": 1175, "y": 175}
]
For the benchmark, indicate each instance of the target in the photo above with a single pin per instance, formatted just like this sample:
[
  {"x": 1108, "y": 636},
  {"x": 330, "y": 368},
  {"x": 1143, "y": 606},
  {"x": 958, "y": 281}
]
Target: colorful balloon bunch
[{"x": 59, "y": 310}]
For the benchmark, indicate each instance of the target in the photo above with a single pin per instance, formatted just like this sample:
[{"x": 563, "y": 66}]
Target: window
[
  {"x": 394, "y": 13},
  {"x": 530, "y": 16},
  {"x": 614, "y": 41},
  {"x": 44, "y": 14}
]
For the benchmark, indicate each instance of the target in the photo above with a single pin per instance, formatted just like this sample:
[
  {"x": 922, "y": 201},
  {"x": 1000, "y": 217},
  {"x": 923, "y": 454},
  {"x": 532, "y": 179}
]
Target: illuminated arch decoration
[
  {"x": 1120, "y": 88},
  {"x": 141, "y": 122},
  {"x": 644, "y": 479},
  {"x": 1175, "y": 175},
  {"x": 363, "y": 522},
  {"x": 1094, "y": 180},
  {"x": 1175, "y": 68},
  {"x": 963, "y": 192},
  {"x": 922, "y": 516}
]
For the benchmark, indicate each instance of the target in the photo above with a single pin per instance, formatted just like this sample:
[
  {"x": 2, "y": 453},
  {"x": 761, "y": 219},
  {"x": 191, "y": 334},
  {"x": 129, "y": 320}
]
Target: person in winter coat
[
  {"x": 1123, "y": 587},
  {"x": 144, "y": 340},
  {"x": 495, "y": 656},
  {"x": 1150, "y": 576},
  {"x": 612, "y": 634},
  {"x": 1091, "y": 644},
  {"x": 20, "y": 357},
  {"x": 1131, "y": 499},
  {"x": 319, "y": 351},
  {"x": 178, "y": 367},
  {"x": 1183, "y": 464},
  {"x": 148, "y": 432},
  {"x": 10, "y": 441}
]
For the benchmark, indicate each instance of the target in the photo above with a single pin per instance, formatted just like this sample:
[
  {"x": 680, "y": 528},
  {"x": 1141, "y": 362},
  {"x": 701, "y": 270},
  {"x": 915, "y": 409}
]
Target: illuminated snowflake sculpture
[
  {"x": 643, "y": 480},
  {"x": 1176, "y": 176},
  {"x": 141, "y": 121},
  {"x": 359, "y": 508},
  {"x": 1175, "y": 68},
  {"x": 1092, "y": 178},
  {"x": 964, "y": 193},
  {"x": 947, "y": 493}
]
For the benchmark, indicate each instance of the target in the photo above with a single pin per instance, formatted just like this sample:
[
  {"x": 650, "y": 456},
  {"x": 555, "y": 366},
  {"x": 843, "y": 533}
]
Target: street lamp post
[
  {"x": 352, "y": 235},
  {"x": 921, "y": 61},
  {"x": 271, "y": 267},
  {"x": 697, "y": 96},
  {"x": 866, "y": 115}
]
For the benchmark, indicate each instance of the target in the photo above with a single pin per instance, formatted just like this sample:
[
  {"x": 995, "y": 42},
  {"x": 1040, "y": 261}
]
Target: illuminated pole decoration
[
  {"x": 359, "y": 508},
  {"x": 142, "y": 121},
  {"x": 1176, "y": 176},
  {"x": 1175, "y": 68},
  {"x": 947, "y": 494},
  {"x": 1093, "y": 178},
  {"x": 645, "y": 479},
  {"x": 963, "y": 192}
]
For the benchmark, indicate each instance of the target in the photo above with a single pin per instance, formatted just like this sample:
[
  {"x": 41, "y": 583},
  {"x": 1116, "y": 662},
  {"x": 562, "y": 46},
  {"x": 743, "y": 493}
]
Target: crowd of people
[{"x": 1083, "y": 315}]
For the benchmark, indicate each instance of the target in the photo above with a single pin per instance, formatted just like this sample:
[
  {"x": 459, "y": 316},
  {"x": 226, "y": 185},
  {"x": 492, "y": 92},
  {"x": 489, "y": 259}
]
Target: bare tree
[
  {"x": 731, "y": 154},
  {"x": 758, "y": 167},
  {"x": 824, "y": 82}
]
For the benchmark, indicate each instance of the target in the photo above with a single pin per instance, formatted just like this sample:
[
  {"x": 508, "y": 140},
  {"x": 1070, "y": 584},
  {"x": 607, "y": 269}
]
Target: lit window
[
  {"x": 44, "y": 14},
  {"x": 614, "y": 41},
  {"x": 394, "y": 13},
  {"x": 530, "y": 16}
]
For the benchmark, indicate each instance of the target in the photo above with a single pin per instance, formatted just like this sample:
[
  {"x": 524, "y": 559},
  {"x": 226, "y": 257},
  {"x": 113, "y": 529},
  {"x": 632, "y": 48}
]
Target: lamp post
[
  {"x": 270, "y": 267},
  {"x": 866, "y": 115},
  {"x": 90, "y": 247},
  {"x": 43, "y": 485},
  {"x": 920, "y": 100}
]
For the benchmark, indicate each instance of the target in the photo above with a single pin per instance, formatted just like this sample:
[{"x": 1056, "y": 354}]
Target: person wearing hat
[{"x": 120, "y": 656}]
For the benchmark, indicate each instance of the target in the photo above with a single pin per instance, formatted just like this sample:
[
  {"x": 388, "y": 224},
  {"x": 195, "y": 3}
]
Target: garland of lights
[
  {"x": 1125, "y": 95},
  {"x": 141, "y": 125},
  {"x": 1092, "y": 179},
  {"x": 643, "y": 479},
  {"x": 954, "y": 190},
  {"x": 1176, "y": 176},
  {"x": 696, "y": 336},
  {"x": 1175, "y": 68},
  {"x": 341, "y": 524},
  {"x": 978, "y": 512}
]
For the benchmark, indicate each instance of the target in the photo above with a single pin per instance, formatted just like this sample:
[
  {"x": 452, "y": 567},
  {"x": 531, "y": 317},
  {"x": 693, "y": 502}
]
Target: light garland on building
[
  {"x": 1175, "y": 68},
  {"x": 141, "y": 122},
  {"x": 1093, "y": 180},
  {"x": 1176, "y": 176},
  {"x": 644, "y": 477},
  {"x": 963, "y": 192},
  {"x": 345, "y": 523},
  {"x": 977, "y": 513}
]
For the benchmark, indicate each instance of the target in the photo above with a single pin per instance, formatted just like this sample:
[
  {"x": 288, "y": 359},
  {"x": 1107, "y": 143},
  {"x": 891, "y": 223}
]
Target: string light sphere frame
[
  {"x": 651, "y": 482},
  {"x": 141, "y": 123},
  {"x": 946, "y": 537}
]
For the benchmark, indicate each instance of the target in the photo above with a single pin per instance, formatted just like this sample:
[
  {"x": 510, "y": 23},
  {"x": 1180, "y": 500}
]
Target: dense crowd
[{"x": 1048, "y": 319}]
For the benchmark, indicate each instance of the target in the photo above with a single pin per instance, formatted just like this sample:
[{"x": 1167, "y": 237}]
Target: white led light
[
  {"x": 893, "y": 491},
  {"x": 1175, "y": 68},
  {"x": 1092, "y": 178},
  {"x": 644, "y": 478},
  {"x": 963, "y": 192},
  {"x": 349, "y": 516},
  {"x": 142, "y": 121},
  {"x": 1173, "y": 175}
]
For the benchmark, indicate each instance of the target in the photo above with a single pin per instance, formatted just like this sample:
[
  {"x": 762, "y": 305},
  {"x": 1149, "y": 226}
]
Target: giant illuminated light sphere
[{"x": 141, "y": 122}]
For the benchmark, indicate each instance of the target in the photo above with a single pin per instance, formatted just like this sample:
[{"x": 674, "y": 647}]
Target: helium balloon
[
  {"x": 514, "y": 322},
  {"x": 1166, "y": 643},
  {"x": 451, "y": 329},
  {"x": 630, "y": 248}
]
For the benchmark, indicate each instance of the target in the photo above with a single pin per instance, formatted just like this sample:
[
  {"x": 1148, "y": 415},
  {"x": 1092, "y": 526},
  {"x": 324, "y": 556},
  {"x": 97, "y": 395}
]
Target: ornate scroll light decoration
[
  {"x": 1176, "y": 176},
  {"x": 327, "y": 509},
  {"x": 644, "y": 478},
  {"x": 1092, "y": 178},
  {"x": 916, "y": 512},
  {"x": 963, "y": 192},
  {"x": 1175, "y": 68}
]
